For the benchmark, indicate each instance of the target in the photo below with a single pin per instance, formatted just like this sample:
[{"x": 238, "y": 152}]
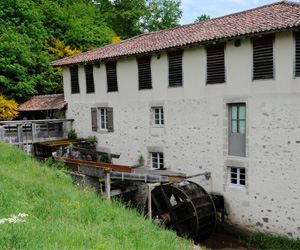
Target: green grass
[
  {"x": 268, "y": 241},
  {"x": 61, "y": 216}
]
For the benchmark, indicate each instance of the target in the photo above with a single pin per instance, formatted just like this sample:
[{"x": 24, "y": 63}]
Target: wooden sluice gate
[{"x": 168, "y": 197}]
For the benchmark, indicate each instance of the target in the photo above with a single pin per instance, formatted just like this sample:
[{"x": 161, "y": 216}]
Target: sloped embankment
[{"x": 61, "y": 216}]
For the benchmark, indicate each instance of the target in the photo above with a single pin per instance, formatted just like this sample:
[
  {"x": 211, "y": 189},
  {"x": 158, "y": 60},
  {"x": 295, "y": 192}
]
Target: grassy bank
[
  {"x": 268, "y": 241},
  {"x": 61, "y": 216}
]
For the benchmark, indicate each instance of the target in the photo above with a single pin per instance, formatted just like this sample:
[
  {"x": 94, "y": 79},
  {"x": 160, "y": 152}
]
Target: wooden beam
[
  {"x": 115, "y": 192},
  {"x": 150, "y": 187},
  {"x": 107, "y": 183}
]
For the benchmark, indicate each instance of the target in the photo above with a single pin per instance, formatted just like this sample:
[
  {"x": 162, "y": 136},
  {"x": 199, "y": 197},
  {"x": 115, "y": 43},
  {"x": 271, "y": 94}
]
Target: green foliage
[
  {"x": 201, "y": 18},
  {"x": 77, "y": 23},
  {"x": 162, "y": 14},
  {"x": 62, "y": 216},
  {"x": 60, "y": 165},
  {"x": 24, "y": 61},
  {"x": 141, "y": 160},
  {"x": 72, "y": 134},
  {"x": 91, "y": 139},
  {"x": 132, "y": 17},
  {"x": 268, "y": 241},
  {"x": 49, "y": 162},
  {"x": 25, "y": 25},
  {"x": 103, "y": 159},
  {"x": 123, "y": 16}
]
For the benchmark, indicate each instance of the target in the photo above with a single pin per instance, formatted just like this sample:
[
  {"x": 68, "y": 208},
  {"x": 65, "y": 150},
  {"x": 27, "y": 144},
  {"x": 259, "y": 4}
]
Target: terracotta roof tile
[
  {"x": 44, "y": 102},
  {"x": 276, "y": 16}
]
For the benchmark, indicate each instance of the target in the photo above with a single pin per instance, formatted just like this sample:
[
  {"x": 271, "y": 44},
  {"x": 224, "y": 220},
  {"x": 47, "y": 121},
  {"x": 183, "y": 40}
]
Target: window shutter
[
  {"x": 263, "y": 57},
  {"x": 89, "y": 77},
  {"x": 144, "y": 67},
  {"x": 215, "y": 66},
  {"x": 111, "y": 74},
  {"x": 110, "y": 122},
  {"x": 175, "y": 68},
  {"x": 94, "y": 119},
  {"x": 74, "y": 80},
  {"x": 297, "y": 59}
]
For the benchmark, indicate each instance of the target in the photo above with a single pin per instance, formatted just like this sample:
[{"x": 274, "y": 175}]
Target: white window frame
[
  {"x": 158, "y": 157},
  {"x": 103, "y": 118},
  {"x": 160, "y": 122},
  {"x": 238, "y": 178}
]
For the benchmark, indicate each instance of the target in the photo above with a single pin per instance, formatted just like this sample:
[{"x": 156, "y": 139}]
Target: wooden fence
[{"x": 26, "y": 132}]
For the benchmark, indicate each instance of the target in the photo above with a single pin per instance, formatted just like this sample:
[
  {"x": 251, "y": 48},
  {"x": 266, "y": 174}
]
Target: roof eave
[{"x": 187, "y": 44}]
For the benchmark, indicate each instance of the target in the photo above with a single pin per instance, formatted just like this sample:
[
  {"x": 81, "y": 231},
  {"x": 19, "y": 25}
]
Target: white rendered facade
[{"x": 194, "y": 134}]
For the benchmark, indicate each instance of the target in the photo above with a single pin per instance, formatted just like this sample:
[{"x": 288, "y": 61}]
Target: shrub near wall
[{"x": 57, "y": 215}]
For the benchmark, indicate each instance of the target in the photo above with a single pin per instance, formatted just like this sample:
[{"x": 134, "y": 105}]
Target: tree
[
  {"x": 116, "y": 39},
  {"x": 79, "y": 23},
  {"x": 123, "y": 16},
  {"x": 162, "y": 14},
  {"x": 25, "y": 58},
  {"x": 201, "y": 18},
  {"x": 59, "y": 50},
  {"x": 8, "y": 109},
  {"x": 129, "y": 18}
]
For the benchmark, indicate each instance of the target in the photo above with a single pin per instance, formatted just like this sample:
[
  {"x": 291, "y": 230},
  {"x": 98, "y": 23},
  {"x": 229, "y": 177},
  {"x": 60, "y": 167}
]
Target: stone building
[{"x": 221, "y": 95}]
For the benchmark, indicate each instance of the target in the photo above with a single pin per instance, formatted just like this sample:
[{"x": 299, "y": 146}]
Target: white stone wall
[{"x": 195, "y": 136}]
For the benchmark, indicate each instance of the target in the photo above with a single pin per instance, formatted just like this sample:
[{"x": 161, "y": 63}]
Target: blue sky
[{"x": 216, "y": 8}]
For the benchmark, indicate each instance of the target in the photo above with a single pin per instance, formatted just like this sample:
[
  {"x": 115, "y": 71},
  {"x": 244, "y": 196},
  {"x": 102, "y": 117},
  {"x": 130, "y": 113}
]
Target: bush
[
  {"x": 72, "y": 134},
  {"x": 103, "y": 159},
  {"x": 61, "y": 164}
]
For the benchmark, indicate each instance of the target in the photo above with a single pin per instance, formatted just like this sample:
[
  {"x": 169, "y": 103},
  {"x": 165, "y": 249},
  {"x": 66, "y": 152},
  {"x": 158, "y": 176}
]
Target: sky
[{"x": 217, "y": 8}]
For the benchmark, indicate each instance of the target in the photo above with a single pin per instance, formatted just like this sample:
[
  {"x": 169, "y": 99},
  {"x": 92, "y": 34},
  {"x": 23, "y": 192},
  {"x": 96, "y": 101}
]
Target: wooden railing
[{"x": 26, "y": 132}]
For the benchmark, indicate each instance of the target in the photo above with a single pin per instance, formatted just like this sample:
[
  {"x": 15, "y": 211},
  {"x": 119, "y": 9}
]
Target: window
[
  {"x": 111, "y": 75},
  {"x": 237, "y": 176},
  {"x": 144, "y": 67},
  {"x": 105, "y": 119},
  {"x": 237, "y": 129},
  {"x": 297, "y": 54},
  {"x": 157, "y": 160},
  {"x": 89, "y": 77},
  {"x": 74, "y": 80},
  {"x": 158, "y": 116},
  {"x": 215, "y": 66},
  {"x": 175, "y": 68},
  {"x": 263, "y": 57}
]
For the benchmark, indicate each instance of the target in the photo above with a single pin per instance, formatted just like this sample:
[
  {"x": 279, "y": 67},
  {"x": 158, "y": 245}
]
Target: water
[{"x": 222, "y": 241}]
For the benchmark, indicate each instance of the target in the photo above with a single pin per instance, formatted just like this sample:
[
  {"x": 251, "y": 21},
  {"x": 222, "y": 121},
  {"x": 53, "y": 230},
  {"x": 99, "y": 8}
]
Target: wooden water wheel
[{"x": 185, "y": 207}]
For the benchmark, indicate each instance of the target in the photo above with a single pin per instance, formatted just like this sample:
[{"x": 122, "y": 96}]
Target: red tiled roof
[
  {"x": 44, "y": 102},
  {"x": 276, "y": 16}
]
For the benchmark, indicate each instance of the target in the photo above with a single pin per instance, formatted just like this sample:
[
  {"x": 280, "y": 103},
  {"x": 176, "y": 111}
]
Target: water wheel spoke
[
  {"x": 157, "y": 204},
  {"x": 174, "y": 218},
  {"x": 186, "y": 207}
]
